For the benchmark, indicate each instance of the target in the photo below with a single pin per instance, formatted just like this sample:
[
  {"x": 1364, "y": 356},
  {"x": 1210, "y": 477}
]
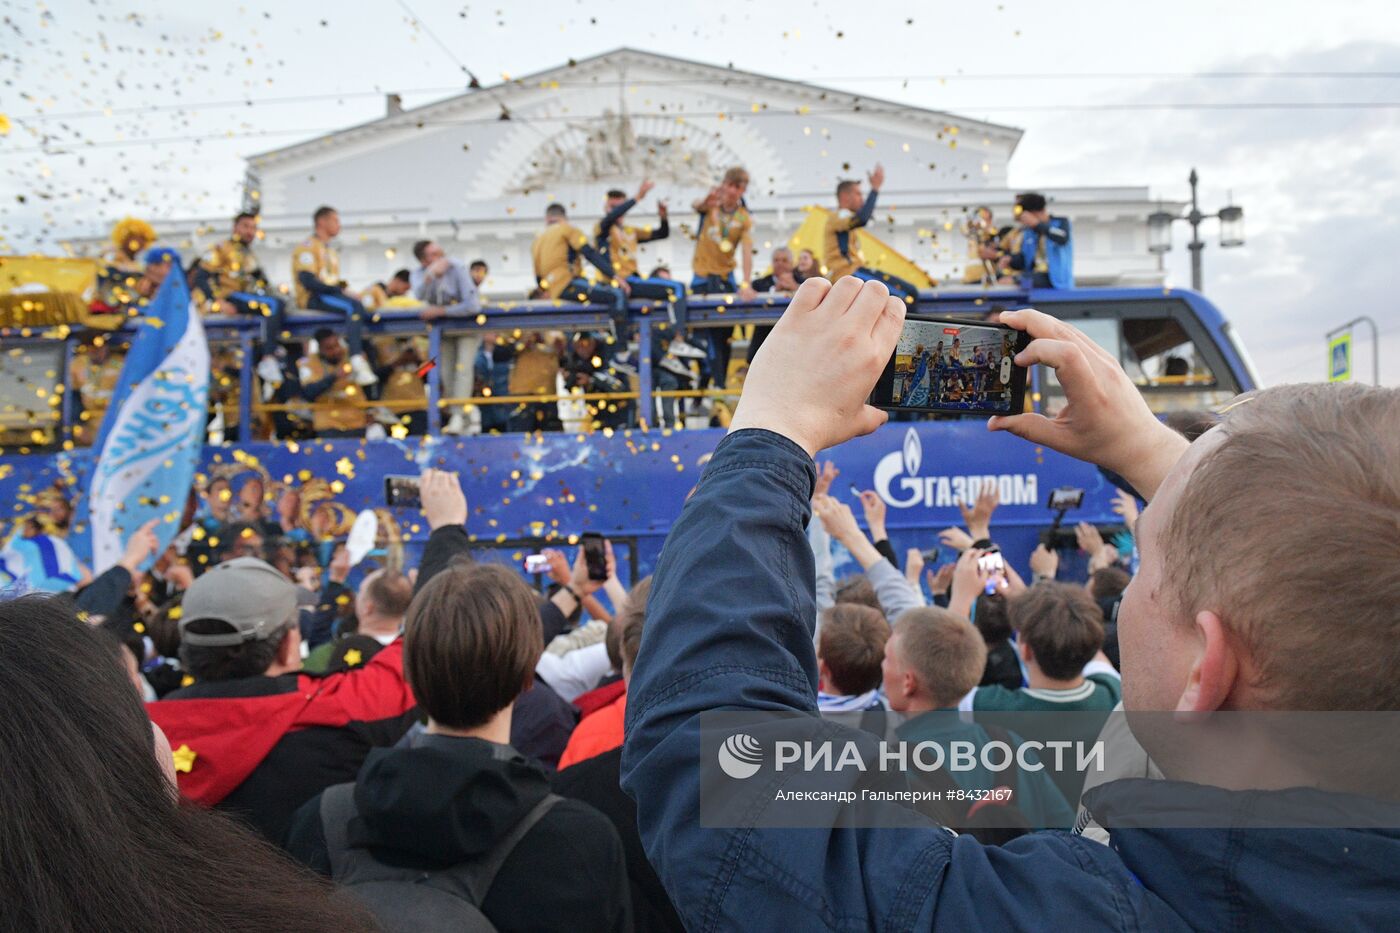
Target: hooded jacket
[
  {"x": 447, "y": 800},
  {"x": 748, "y": 647}
]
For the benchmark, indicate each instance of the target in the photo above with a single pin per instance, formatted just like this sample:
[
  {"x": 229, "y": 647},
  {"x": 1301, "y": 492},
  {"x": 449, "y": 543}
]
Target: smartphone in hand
[
  {"x": 954, "y": 367},
  {"x": 595, "y": 555},
  {"x": 401, "y": 491}
]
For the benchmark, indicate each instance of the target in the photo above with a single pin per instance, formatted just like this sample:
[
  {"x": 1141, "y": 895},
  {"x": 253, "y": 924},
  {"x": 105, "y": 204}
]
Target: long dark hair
[{"x": 92, "y": 835}]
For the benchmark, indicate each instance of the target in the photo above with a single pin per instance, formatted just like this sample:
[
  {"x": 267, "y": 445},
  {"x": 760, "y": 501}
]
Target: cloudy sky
[{"x": 1293, "y": 107}]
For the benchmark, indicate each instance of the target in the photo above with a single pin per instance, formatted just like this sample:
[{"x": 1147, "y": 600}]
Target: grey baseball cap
[{"x": 247, "y": 593}]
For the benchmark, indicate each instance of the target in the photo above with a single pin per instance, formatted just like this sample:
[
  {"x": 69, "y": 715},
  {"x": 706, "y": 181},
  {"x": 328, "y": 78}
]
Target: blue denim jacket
[{"x": 729, "y": 626}]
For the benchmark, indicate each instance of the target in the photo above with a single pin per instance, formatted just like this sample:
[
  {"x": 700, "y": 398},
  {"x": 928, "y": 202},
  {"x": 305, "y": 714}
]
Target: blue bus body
[{"x": 525, "y": 489}]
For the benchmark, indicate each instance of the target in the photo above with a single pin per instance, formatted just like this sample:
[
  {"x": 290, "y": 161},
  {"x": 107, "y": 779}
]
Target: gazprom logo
[
  {"x": 740, "y": 756},
  {"x": 898, "y": 482}
]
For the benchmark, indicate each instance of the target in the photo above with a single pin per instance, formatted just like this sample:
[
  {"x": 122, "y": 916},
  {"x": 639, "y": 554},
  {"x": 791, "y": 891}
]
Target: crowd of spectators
[{"x": 450, "y": 747}]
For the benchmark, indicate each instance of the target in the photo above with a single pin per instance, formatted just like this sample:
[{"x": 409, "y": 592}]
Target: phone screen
[
  {"x": 595, "y": 555},
  {"x": 402, "y": 491},
  {"x": 956, "y": 367}
]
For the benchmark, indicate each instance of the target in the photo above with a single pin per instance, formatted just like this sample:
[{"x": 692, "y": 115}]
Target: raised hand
[
  {"x": 955, "y": 538},
  {"x": 142, "y": 544},
  {"x": 1125, "y": 504},
  {"x": 852, "y": 326},
  {"x": 559, "y": 570},
  {"x": 969, "y": 580},
  {"x": 838, "y": 519},
  {"x": 826, "y": 475},
  {"x": 877, "y": 177},
  {"x": 647, "y": 185},
  {"x": 444, "y": 503},
  {"x": 1088, "y": 538},
  {"x": 940, "y": 581},
  {"x": 913, "y": 565},
  {"x": 979, "y": 518},
  {"x": 1044, "y": 562},
  {"x": 874, "y": 508},
  {"x": 1104, "y": 419},
  {"x": 662, "y": 210}
]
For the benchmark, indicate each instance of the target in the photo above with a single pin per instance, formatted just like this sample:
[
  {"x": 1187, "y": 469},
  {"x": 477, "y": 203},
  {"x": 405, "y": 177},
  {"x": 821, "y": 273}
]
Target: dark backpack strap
[{"x": 478, "y": 877}]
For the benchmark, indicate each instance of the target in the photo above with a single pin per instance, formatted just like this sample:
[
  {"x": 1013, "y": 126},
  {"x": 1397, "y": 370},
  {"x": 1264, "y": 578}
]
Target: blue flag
[{"x": 154, "y": 427}]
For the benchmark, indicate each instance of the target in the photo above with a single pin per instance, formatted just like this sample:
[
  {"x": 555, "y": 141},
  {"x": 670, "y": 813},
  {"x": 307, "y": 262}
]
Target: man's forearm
[
  {"x": 865, "y": 553},
  {"x": 444, "y": 545}
]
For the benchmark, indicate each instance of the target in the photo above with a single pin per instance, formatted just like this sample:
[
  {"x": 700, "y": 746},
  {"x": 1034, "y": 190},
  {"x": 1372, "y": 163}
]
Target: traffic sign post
[
  {"x": 1339, "y": 351},
  {"x": 1339, "y": 358}
]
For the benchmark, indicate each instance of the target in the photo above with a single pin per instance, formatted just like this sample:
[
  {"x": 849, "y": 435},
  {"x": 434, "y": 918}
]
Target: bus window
[
  {"x": 1159, "y": 356},
  {"x": 29, "y": 407}
]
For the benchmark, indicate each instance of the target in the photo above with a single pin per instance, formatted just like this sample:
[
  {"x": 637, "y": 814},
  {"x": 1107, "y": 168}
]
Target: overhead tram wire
[
  {"x": 60, "y": 148},
  {"x": 679, "y": 82}
]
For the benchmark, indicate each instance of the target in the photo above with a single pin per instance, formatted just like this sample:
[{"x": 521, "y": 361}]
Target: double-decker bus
[{"x": 527, "y": 490}]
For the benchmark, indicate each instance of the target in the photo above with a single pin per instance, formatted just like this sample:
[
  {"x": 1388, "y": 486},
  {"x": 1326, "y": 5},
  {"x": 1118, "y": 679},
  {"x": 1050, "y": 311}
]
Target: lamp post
[{"x": 1159, "y": 230}]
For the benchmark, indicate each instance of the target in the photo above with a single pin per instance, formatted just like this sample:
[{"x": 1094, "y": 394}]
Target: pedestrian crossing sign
[{"x": 1339, "y": 358}]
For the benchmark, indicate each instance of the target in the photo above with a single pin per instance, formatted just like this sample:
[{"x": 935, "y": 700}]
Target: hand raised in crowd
[
  {"x": 662, "y": 209},
  {"x": 940, "y": 581},
  {"x": 1105, "y": 419},
  {"x": 913, "y": 566},
  {"x": 582, "y": 584},
  {"x": 837, "y": 518},
  {"x": 852, "y": 326},
  {"x": 1045, "y": 562},
  {"x": 559, "y": 570},
  {"x": 444, "y": 503},
  {"x": 969, "y": 581},
  {"x": 142, "y": 544},
  {"x": 1125, "y": 504},
  {"x": 979, "y": 518},
  {"x": 874, "y": 508},
  {"x": 1105, "y": 556},
  {"x": 877, "y": 177},
  {"x": 1088, "y": 538},
  {"x": 955, "y": 538},
  {"x": 826, "y": 475},
  {"x": 647, "y": 185}
]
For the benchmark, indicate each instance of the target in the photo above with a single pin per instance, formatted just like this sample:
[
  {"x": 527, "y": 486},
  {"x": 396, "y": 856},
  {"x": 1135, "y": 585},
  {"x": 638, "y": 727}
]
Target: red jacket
[
  {"x": 229, "y": 737},
  {"x": 595, "y": 734}
]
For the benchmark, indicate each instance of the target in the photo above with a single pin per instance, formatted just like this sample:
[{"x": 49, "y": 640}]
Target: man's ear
[
  {"x": 1214, "y": 669},
  {"x": 1023, "y": 648},
  {"x": 823, "y": 673},
  {"x": 912, "y": 687},
  {"x": 289, "y": 651}
]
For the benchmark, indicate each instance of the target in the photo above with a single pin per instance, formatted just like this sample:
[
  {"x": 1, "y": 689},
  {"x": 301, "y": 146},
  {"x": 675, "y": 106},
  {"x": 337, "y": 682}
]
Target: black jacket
[
  {"x": 596, "y": 781},
  {"x": 447, "y": 800},
  {"x": 302, "y": 763}
]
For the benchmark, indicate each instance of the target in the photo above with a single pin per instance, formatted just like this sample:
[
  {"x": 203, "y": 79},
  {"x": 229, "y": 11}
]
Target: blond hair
[
  {"x": 945, "y": 651},
  {"x": 1290, "y": 530},
  {"x": 738, "y": 176}
]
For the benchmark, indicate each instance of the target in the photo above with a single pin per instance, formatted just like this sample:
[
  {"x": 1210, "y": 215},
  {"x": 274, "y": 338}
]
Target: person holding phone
[{"x": 1192, "y": 648}]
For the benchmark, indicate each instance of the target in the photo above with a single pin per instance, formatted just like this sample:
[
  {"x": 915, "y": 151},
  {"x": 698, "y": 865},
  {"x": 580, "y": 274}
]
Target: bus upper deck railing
[{"x": 649, "y": 318}]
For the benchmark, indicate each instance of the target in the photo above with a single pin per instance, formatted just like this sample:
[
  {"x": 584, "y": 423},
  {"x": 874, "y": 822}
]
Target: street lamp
[{"x": 1159, "y": 230}]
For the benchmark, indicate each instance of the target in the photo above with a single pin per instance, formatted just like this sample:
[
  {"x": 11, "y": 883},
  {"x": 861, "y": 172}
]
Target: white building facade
[{"x": 476, "y": 171}]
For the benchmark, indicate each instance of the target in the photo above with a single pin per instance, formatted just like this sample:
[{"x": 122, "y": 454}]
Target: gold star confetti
[{"x": 184, "y": 758}]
